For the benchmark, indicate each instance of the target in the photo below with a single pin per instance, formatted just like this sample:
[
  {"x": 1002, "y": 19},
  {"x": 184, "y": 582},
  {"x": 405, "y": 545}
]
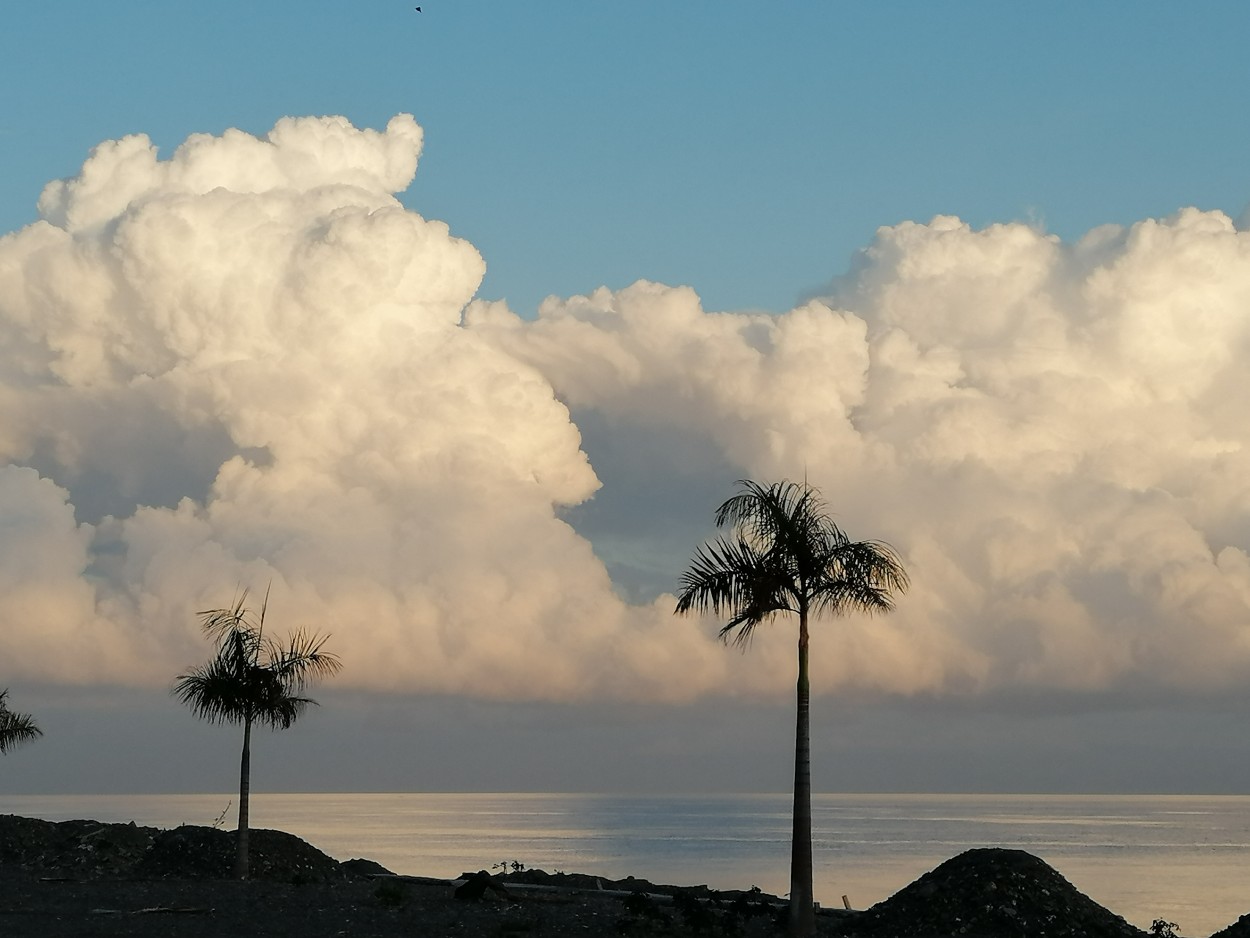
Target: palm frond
[
  {"x": 234, "y": 625},
  {"x": 264, "y": 607},
  {"x": 15, "y": 728},
  {"x": 861, "y": 576},
  {"x": 734, "y": 577},
  {"x": 303, "y": 660},
  {"x": 214, "y": 692},
  {"x": 285, "y": 712}
]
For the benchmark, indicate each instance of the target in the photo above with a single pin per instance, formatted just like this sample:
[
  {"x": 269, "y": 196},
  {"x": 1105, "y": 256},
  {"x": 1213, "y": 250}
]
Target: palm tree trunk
[
  {"x": 802, "y": 919},
  {"x": 245, "y": 786}
]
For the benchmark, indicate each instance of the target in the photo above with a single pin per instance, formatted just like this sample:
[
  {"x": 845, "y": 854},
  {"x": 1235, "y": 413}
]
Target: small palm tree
[
  {"x": 15, "y": 728},
  {"x": 252, "y": 679},
  {"x": 785, "y": 555}
]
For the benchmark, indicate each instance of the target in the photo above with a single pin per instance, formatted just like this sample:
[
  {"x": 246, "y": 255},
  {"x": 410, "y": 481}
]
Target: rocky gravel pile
[
  {"x": 1239, "y": 929},
  {"x": 88, "y": 850},
  {"x": 990, "y": 892},
  {"x": 77, "y": 849}
]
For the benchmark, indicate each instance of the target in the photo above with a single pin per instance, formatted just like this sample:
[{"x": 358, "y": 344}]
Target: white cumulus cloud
[
  {"x": 1051, "y": 434},
  {"x": 248, "y": 362},
  {"x": 245, "y": 364}
]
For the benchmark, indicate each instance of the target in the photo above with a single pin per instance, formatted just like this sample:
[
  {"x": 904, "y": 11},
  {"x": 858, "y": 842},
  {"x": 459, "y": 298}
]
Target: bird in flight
[{"x": 418, "y": 9}]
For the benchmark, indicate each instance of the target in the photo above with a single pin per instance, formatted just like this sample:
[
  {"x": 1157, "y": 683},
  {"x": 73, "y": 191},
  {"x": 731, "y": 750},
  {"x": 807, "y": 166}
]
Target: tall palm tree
[
  {"x": 252, "y": 679},
  {"x": 784, "y": 555},
  {"x": 15, "y": 728}
]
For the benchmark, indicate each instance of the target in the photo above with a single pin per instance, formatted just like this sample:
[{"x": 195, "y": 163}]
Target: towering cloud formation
[
  {"x": 1052, "y": 435},
  {"x": 249, "y": 363},
  {"x": 245, "y": 364}
]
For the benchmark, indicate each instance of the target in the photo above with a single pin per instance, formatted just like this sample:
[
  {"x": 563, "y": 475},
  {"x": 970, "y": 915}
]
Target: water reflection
[{"x": 1180, "y": 858}]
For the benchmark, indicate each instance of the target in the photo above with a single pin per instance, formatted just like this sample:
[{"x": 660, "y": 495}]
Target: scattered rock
[
  {"x": 190, "y": 852},
  {"x": 536, "y": 877},
  {"x": 476, "y": 884},
  {"x": 363, "y": 869}
]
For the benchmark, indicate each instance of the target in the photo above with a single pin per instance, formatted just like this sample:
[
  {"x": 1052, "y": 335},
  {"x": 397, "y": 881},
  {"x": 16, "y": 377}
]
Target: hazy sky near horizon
[{"x": 455, "y": 326}]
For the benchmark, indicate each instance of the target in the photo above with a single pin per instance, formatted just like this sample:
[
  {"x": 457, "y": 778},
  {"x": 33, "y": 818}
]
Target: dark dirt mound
[
  {"x": 79, "y": 849},
  {"x": 1239, "y": 929},
  {"x": 92, "y": 850},
  {"x": 191, "y": 852},
  {"x": 990, "y": 892}
]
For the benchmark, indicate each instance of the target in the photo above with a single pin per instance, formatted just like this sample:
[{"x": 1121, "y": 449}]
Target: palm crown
[
  {"x": 784, "y": 554},
  {"x": 253, "y": 679}
]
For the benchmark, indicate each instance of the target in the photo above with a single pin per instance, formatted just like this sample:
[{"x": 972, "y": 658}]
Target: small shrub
[
  {"x": 640, "y": 905},
  {"x": 220, "y": 820},
  {"x": 697, "y": 916},
  {"x": 643, "y": 916}
]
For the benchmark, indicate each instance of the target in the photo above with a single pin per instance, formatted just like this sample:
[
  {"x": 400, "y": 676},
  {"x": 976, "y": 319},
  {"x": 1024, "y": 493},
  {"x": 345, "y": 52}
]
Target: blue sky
[
  {"x": 746, "y": 149},
  {"x": 1046, "y": 423}
]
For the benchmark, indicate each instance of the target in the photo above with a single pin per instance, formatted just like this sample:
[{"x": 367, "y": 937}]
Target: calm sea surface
[{"x": 1182, "y": 858}]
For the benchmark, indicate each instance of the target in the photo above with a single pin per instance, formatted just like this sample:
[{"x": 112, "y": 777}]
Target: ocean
[{"x": 1181, "y": 858}]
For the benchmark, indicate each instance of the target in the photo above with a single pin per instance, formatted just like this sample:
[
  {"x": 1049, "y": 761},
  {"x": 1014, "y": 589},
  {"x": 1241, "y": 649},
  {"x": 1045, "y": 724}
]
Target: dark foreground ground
[{"x": 83, "y": 878}]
